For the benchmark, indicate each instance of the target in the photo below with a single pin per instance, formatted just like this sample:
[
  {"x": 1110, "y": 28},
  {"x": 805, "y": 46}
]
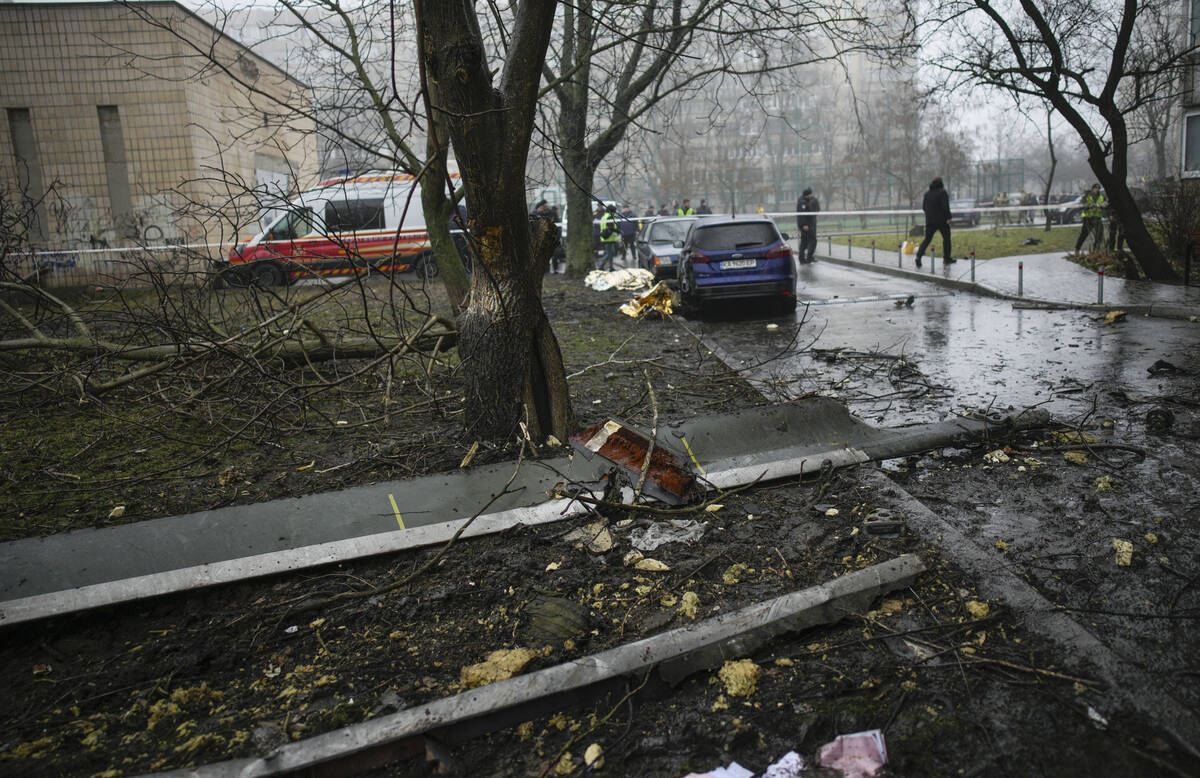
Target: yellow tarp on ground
[{"x": 660, "y": 299}]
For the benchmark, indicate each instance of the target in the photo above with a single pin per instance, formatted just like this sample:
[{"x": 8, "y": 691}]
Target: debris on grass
[
  {"x": 997, "y": 457},
  {"x": 1076, "y": 457},
  {"x": 499, "y": 665},
  {"x": 858, "y": 755},
  {"x": 740, "y": 677},
  {"x": 1105, "y": 483},
  {"x": 1124, "y": 552},
  {"x": 594, "y": 537},
  {"x": 651, "y": 565},
  {"x": 593, "y": 757},
  {"x": 660, "y": 300},
  {"x": 977, "y": 609},
  {"x": 660, "y": 532},
  {"x": 690, "y": 605}
]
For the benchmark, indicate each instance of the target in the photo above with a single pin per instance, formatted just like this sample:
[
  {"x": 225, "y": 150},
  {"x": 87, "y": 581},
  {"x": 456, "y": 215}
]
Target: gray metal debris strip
[
  {"x": 677, "y": 654},
  {"x": 74, "y": 571}
]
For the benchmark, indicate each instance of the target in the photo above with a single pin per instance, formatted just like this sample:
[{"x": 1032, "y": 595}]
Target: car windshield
[
  {"x": 735, "y": 236},
  {"x": 668, "y": 232}
]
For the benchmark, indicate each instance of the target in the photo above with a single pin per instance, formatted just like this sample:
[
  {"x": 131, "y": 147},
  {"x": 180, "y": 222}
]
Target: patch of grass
[{"x": 988, "y": 243}]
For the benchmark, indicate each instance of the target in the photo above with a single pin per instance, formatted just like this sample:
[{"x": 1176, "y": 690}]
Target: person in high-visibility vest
[
  {"x": 610, "y": 237},
  {"x": 1091, "y": 218},
  {"x": 685, "y": 209}
]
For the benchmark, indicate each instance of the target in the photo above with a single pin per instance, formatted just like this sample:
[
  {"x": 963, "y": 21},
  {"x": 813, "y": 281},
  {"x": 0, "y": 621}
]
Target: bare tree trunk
[
  {"x": 1053, "y": 164},
  {"x": 581, "y": 251},
  {"x": 513, "y": 368}
]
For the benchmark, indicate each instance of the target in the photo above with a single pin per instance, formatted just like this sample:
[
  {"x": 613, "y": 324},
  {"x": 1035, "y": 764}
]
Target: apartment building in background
[{"x": 141, "y": 122}]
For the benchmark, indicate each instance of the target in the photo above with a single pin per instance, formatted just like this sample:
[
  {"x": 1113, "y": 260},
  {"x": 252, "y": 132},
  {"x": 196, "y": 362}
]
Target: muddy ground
[{"x": 954, "y": 680}]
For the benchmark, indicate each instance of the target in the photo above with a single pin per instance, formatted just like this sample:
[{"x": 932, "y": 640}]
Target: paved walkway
[{"x": 1049, "y": 279}]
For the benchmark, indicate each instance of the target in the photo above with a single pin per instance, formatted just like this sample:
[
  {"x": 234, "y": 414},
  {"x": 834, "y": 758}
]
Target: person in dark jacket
[
  {"x": 936, "y": 206},
  {"x": 807, "y": 224},
  {"x": 628, "y": 227},
  {"x": 703, "y": 209}
]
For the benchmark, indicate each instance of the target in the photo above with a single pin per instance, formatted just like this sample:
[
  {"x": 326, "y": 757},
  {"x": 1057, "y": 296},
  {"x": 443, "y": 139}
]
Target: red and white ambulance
[{"x": 343, "y": 226}]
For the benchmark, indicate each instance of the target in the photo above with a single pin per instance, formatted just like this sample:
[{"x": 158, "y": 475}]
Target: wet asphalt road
[{"x": 973, "y": 352}]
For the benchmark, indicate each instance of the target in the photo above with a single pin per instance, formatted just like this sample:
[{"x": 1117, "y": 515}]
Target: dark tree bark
[{"x": 512, "y": 363}]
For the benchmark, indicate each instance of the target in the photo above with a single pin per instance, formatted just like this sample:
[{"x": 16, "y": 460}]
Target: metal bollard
[
  {"x": 1100, "y": 287},
  {"x": 872, "y": 251},
  {"x": 849, "y": 243},
  {"x": 899, "y": 255},
  {"x": 829, "y": 245},
  {"x": 972, "y": 265},
  {"x": 1020, "y": 279},
  {"x": 932, "y": 258}
]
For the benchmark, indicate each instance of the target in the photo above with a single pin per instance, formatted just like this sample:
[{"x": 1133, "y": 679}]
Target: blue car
[{"x": 736, "y": 257}]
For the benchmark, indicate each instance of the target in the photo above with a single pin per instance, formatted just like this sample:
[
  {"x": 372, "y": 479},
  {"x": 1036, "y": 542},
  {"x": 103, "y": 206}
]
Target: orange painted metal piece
[{"x": 668, "y": 477}]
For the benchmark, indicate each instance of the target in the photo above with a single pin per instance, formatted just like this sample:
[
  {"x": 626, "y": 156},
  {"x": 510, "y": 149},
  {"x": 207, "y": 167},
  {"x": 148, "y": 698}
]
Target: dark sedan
[{"x": 659, "y": 243}]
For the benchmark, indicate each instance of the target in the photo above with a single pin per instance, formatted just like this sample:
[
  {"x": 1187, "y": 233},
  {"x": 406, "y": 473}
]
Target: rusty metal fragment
[{"x": 668, "y": 478}]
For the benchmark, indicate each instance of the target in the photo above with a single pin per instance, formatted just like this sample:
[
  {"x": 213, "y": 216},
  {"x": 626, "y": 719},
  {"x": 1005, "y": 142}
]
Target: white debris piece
[{"x": 629, "y": 278}]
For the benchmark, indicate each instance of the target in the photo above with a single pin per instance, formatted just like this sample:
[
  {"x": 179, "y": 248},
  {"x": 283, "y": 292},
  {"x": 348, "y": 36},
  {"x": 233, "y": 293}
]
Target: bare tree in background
[
  {"x": 1090, "y": 59},
  {"x": 611, "y": 62}
]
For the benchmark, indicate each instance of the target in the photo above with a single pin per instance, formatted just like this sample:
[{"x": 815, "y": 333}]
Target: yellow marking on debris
[
  {"x": 691, "y": 454},
  {"x": 396, "y": 510}
]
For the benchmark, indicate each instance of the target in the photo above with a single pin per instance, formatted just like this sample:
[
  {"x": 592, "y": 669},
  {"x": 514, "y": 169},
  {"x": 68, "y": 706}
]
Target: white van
[{"x": 344, "y": 226}]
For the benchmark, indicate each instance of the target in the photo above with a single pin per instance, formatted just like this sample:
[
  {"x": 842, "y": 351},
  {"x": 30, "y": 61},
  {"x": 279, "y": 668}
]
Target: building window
[
  {"x": 29, "y": 172},
  {"x": 1191, "y": 145},
  {"x": 116, "y": 170}
]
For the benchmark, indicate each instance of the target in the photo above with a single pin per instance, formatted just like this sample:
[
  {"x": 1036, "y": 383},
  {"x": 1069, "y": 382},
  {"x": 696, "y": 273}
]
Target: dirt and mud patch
[{"x": 957, "y": 685}]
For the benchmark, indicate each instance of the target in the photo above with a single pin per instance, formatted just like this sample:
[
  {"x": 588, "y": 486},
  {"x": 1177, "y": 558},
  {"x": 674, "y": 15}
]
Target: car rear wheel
[
  {"x": 269, "y": 274},
  {"x": 427, "y": 267}
]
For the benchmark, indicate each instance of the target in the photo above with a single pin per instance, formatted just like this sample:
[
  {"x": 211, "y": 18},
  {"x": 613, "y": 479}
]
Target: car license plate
[{"x": 737, "y": 264}]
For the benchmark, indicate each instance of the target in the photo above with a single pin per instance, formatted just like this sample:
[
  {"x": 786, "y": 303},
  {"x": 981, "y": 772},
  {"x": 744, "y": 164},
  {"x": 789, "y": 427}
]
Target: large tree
[
  {"x": 1088, "y": 59},
  {"x": 515, "y": 372}
]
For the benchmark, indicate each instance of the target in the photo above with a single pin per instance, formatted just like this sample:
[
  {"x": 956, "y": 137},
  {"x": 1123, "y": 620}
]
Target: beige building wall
[{"x": 187, "y": 128}]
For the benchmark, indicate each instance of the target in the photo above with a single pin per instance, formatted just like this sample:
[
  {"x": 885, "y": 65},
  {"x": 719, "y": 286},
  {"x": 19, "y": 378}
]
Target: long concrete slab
[{"x": 72, "y": 571}]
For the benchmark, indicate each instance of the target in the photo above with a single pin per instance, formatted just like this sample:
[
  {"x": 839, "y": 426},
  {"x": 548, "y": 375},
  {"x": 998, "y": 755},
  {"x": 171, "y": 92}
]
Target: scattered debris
[
  {"x": 1106, "y": 483},
  {"x": 907, "y": 302},
  {"x": 1113, "y": 317},
  {"x": 740, "y": 677},
  {"x": 1124, "y": 551},
  {"x": 1095, "y": 717},
  {"x": 594, "y": 537},
  {"x": 977, "y": 609},
  {"x": 630, "y": 278},
  {"x": 857, "y": 755},
  {"x": 651, "y": 565},
  {"x": 660, "y": 532},
  {"x": 690, "y": 605},
  {"x": 1163, "y": 367},
  {"x": 997, "y": 457},
  {"x": 117, "y": 512},
  {"x": 593, "y": 757},
  {"x": 1076, "y": 457},
  {"x": 659, "y": 301},
  {"x": 733, "y": 574},
  {"x": 1031, "y": 241},
  {"x": 790, "y": 765},
  {"x": 882, "y": 523},
  {"x": 632, "y": 558},
  {"x": 557, "y": 618},
  {"x": 734, "y": 770},
  {"x": 1159, "y": 419},
  {"x": 500, "y": 664},
  {"x": 667, "y": 478}
]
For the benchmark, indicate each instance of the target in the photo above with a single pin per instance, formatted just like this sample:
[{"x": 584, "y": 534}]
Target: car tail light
[
  {"x": 699, "y": 258},
  {"x": 780, "y": 251}
]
